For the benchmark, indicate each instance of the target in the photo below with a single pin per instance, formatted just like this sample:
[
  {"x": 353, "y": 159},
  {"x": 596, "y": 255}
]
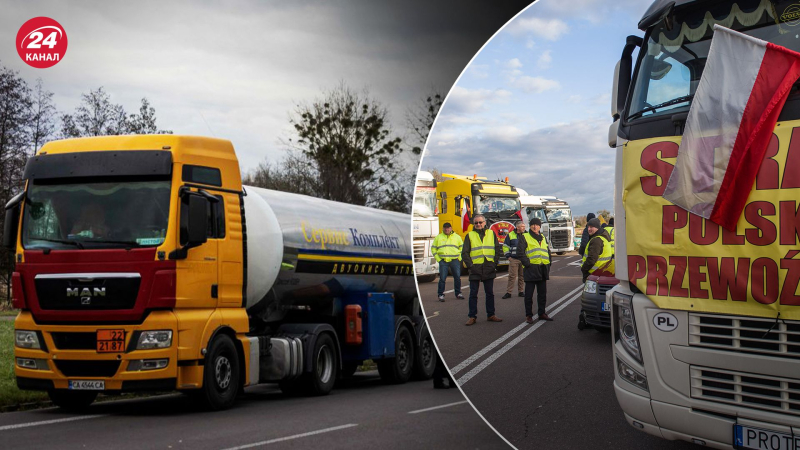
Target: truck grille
[
  {"x": 87, "y": 368},
  {"x": 745, "y": 334},
  {"x": 419, "y": 250},
  {"x": 102, "y": 291},
  {"x": 748, "y": 390},
  {"x": 75, "y": 341},
  {"x": 560, "y": 238}
]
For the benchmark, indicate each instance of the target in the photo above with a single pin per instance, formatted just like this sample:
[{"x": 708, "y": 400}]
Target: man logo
[
  {"x": 86, "y": 294},
  {"x": 86, "y": 300},
  {"x": 665, "y": 321}
]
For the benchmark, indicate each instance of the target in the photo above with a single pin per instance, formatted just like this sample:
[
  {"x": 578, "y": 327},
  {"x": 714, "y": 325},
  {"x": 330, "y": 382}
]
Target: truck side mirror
[
  {"x": 11, "y": 224},
  {"x": 197, "y": 226},
  {"x": 622, "y": 76}
]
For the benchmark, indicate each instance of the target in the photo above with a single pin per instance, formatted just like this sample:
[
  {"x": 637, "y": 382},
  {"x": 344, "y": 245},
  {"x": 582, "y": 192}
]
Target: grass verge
[{"x": 12, "y": 398}]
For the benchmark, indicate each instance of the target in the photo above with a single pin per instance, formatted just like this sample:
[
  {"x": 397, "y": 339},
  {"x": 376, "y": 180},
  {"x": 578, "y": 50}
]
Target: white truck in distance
[
  {"x": 556, "y": 217},
  {"x": 426, "y": 227}
]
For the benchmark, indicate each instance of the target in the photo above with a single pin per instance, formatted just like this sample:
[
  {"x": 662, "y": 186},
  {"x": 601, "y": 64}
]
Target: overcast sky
[
  {"x": 234, "y": 70},
  {"x": 534, "y": 105}
]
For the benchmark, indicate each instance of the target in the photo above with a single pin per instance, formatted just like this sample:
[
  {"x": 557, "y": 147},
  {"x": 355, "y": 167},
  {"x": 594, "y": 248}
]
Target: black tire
[
  {"x": 221, "y": 375},
  {"x": 426, "y": 278},
  {"x": 560, "y": 253},
  {"x": 398, "y": 370},
  {"x": 72, "y": 400},
  {"x": 425, "y": 361},
  {"x": 324, "y": 370}
]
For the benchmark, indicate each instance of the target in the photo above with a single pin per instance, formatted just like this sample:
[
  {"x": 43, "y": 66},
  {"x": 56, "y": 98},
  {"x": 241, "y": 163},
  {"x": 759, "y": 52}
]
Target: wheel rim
[
  {"x": 325, "y": 364},
  {"x": 222, "y": 372},
  {"x": 402, "y": 355},
  {"x": 427, "y": 353}
]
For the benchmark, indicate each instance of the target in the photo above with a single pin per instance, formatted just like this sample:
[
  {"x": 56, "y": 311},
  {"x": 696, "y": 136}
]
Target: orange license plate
[{"x": 110, "y": 341}]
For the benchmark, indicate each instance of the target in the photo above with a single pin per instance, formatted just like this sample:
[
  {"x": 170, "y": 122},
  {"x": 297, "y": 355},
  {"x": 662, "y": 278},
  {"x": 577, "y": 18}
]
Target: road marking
[
  {"x": 435, "y": 313},
  {"x": 49, "y": 422},
  {"x": 296, "y": 436},
  {"x": 485, "y": 363},
  {"x": 437, "y": 407},
  {"x": 466, "y": 288},
  {"x": 504, "y": 337}
]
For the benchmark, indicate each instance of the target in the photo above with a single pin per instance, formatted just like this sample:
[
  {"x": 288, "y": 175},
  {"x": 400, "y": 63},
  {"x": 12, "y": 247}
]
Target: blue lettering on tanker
[{"x": 374, "y": 240}]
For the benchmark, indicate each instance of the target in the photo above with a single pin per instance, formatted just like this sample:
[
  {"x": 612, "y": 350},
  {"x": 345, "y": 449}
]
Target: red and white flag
[
  {"x": 740, "y": 95},
  {"x": 466, "y": 220}
]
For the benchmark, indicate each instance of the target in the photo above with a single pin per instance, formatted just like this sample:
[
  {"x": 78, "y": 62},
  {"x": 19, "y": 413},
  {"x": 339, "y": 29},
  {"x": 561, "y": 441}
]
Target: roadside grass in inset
[{"x": 11, "y": 398}]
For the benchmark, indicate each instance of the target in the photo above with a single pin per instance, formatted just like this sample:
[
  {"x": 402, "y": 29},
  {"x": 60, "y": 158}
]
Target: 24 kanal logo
[{"x": 41, "y": 42}]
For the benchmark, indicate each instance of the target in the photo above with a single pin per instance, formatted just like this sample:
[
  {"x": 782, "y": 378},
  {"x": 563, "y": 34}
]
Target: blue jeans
[
  {"x": 488, "y": 289},
  {"x": 454, "y": 267}
]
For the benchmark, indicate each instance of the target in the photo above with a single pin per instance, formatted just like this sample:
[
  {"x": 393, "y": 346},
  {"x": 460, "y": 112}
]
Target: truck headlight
[
  {"x": 154, "y": 339},
  {"x": 27, "y": 339},
  {"x": 626, "y": 325},
  {"x": 590, "y": 287}
]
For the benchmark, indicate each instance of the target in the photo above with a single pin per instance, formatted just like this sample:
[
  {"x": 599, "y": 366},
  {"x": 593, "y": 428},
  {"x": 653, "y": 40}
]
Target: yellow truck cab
[{"x": 498, "y": 201}]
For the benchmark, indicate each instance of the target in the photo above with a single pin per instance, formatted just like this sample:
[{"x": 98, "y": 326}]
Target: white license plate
[
  {"x": 761, "y": 439},
  {"x": 604, "y": 307},
  {"x": 87, "y": 385}
]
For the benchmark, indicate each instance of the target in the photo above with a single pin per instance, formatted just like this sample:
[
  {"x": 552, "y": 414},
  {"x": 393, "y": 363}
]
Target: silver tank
[{"x": 303, "y": 253}]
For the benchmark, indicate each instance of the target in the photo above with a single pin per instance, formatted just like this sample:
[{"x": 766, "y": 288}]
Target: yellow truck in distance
[
  {"x": 143, "y": 264},
  {"x": 498, "y": 201}
]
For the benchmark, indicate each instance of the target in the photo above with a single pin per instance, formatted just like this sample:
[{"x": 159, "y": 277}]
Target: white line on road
[
  {"x": 504, "y": 337},
  {"x": 466, "y": 288},
  {"x": 49, "y": 422},
  {"x": 437, "y": 407},
  {"x": 435, "y": 313},
  {"x": 485, "y": 363},
  {"x": 296, "y": 436}
]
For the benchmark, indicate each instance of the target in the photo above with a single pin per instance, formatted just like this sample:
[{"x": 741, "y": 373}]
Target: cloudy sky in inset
[
  {"x": 534, "y": 104},
  {"x": 235, "y": 70}
]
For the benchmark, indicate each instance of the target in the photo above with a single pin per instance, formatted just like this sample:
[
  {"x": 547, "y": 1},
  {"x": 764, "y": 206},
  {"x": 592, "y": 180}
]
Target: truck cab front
[{"x": 111, "y": 298}]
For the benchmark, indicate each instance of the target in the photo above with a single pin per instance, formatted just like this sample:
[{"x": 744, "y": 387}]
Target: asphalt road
[
  {"x": 362, "y": 414},
  {"x": 545, "y": 385}
]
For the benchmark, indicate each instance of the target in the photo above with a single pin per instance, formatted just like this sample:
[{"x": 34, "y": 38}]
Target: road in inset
[
  {"x": 545, "y": 385},
  {"x": 365, "y": 413}
]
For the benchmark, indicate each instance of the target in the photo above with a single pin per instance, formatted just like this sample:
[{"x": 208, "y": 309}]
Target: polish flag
[
  {"x": 465, "y": 219},
  {"x": 519, "y": 214},
  {"x": 743, "y": 88}
]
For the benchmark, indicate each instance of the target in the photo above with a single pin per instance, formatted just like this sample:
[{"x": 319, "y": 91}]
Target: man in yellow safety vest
[
  {"x": 480, "y": 255},
  {"x": 599, "y": 256},
  {"x": 534, "y": 254},
  {"x": 515, "y": 274},
  {"x": 446, "y": 248}
]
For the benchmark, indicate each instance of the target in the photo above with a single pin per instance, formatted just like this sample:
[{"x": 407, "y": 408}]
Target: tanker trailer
[{"x": 143, "y": 264}]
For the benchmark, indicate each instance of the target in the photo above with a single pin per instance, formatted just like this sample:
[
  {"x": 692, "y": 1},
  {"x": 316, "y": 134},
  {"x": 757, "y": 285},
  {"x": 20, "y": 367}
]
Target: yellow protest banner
[{"x": 682, "y": 261}]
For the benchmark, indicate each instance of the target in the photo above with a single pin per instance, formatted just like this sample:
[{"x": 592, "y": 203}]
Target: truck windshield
[
  {"x": 491, "y": 204},
  {"x": 537, "y": 213},
  {"x": 674, "y": 58},
  {"x": 96, "y": 214},
  {"x": 425, "y": 201},
  {"x": 559, "y": 215}
]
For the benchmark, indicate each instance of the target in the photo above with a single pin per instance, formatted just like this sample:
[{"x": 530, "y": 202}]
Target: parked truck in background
[
  {"x": 498, "y": 201},
  {"x": 556, "y": 216},
  {"x": 706, "y": 329},
  {"x": 425, "y": 227},
  {"x": 143, "y": 264}
]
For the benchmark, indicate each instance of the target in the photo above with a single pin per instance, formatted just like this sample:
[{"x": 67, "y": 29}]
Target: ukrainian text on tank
[{"x": 374, "y": 240}]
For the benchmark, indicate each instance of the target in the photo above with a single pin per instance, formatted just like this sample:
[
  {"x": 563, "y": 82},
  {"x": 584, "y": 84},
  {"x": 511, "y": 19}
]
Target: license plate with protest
[
  {"x": 761, "y": 439},
  {"x": 87, "y": 385}
]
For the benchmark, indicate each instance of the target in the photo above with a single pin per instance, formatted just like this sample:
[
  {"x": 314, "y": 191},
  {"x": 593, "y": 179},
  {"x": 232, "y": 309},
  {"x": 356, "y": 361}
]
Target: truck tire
[
  {"x": 398, "y": 370},
  {"x": 425, "y": 362},
  {"x": 426, "y": 278},
  {"x": 220, "y": 375},
  {"x": 72, "y": 400},
  {"x": 322, "y": 377},
  {"x": 560, "y": 253}
]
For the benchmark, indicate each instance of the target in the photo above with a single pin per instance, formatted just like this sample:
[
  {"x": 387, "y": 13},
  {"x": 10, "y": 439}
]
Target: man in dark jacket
[
  {"x": 534, "y": 254},
  {"x": 585, "y": 236},
  {"x": 596, "y": 248},
  {"x": 480, "y": 254}
]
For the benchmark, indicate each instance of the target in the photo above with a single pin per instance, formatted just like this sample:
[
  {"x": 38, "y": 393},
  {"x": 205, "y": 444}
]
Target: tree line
[{"x": 343, "y": 147}]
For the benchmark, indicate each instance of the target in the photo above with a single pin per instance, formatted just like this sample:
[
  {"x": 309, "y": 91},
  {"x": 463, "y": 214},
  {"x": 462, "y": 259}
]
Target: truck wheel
[
  {"x": 425, "y": 362},
  {"x": 221, "y": 374},
  {"x": 426, "y": 278},
  {"x": 72, "y": 400},
  {"x": 398, "y": 370},
  {"x": 322, "y": 377},
  {"x": 560, "y": 253}
]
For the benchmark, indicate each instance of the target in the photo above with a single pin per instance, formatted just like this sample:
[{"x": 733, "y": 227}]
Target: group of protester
[{"x": 529, "y": 258}]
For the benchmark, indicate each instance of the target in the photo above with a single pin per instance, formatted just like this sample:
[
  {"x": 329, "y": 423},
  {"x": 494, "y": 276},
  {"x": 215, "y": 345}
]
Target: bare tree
[
  {"x": 292, "y": 174},
  {"x": 98, "y": 116},
  {"x": 437, "y": 174},
  {"x": 421, "y": 117},
  {"x": 42, "y": 117},
  {"x": 145, "y": 121}
]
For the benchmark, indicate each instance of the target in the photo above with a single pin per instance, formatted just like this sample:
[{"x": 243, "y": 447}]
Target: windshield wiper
[
  {"x": 62, "y": 241},
  {"x": 674, "y": 101}
]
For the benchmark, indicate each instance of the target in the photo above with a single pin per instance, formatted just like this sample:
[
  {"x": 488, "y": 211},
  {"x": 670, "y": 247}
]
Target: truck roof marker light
[
  {"x": 474, "y": 176},
  {"x": 166, "y": 147},
  {"x": 506, "y": 180}
]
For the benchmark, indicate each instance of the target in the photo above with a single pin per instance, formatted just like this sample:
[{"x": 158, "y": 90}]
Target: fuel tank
[{"x": 303, "y": 253}]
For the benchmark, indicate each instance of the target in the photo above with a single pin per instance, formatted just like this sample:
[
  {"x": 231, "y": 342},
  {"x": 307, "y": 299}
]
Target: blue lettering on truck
[{"x": 374, "y": 240}]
